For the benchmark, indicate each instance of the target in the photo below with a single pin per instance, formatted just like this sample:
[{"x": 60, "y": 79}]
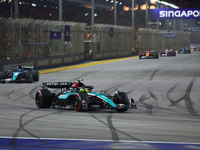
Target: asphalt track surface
[{"x": 166, "y": 91}]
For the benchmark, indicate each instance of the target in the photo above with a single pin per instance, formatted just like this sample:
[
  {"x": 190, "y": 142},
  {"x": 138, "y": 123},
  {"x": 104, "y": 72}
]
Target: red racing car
[{"x": 197, "y": 48}]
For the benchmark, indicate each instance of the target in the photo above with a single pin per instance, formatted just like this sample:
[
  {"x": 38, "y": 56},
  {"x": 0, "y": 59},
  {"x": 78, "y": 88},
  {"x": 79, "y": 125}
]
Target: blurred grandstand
[{"x": 77, "y": 11}]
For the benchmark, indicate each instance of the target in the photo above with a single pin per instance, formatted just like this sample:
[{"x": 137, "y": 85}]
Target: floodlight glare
[{"x": 168, "y": 4}]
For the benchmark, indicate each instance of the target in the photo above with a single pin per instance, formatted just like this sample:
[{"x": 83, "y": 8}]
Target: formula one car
[
  {"x": 184, "y": 51},
  {"x": 150, "y": 54},
  {"x": 197, "y": 48},
  {"x": 19, "y": 74},
  {"x": 77, "y": 96},
  {"x": 168, "y": 52}
]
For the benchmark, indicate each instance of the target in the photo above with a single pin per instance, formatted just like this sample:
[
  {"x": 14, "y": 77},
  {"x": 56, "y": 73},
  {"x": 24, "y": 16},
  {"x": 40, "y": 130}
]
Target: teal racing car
[
  {"x": 19, "y": 74},
  {"x": 77, "y": 96}
]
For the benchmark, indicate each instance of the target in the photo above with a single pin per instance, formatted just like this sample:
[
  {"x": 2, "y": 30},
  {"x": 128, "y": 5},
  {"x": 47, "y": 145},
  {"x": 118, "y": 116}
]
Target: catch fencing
[
  {"x": 110, "y": 41},
  {"x": 41, "y": 43}
]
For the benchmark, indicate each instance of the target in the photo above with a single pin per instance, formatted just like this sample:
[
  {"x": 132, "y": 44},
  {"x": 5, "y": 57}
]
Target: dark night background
[{"x": 186, "y": 3}]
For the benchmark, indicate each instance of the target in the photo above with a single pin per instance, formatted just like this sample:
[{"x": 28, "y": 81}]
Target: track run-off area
[{"x": 166, "y": 91}]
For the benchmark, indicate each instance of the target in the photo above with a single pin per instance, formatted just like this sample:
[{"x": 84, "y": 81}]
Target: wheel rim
[{"x": 76, "y": 104}]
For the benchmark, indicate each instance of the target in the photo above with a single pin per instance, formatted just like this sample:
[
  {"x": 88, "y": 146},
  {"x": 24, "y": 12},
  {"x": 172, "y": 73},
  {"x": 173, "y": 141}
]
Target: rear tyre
[
  {"x": 35, "y": 75},
  {"x": 123, "y": 99},
  {"x": 81, "y": 103},
  {"x": 43, "y": 99}
]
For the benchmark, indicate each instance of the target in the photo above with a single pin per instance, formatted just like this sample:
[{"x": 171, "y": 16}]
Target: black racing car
[
  {"x": 150, "y": 54},
  {"x": 168, "y": 52},
  {"x": 19, "y": 74},
  {"x": 184, "y": 51},
  {"x": 77, "y": 96}
]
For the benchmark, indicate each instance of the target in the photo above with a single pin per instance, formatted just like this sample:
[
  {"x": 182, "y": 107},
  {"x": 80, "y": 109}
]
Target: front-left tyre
[
  {"x": 29, "y": 77},
  {"x": 123, "y": 99},
  {"x": 2, "y": 76}
]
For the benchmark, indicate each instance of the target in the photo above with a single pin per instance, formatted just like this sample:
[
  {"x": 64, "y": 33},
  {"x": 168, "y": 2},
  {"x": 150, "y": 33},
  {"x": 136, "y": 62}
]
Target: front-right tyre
[
  {"x": 80, "y": 102},
  {"x": 35, "y": 75},
  {"x": 43, "y": 98}
]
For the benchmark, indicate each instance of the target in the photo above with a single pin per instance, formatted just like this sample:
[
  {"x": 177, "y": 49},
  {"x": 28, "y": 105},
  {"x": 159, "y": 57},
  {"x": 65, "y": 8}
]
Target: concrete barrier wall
[
  {"x": 112, "y": 54},
  {"x": 41, "y": 63},
  {"x": 150, "y": 39}
]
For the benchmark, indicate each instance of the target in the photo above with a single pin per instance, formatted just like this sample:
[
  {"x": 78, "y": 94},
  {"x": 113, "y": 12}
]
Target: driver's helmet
[
  {"x": 84, "y": 90},
  {"x": 19, "y": 66},
  {"x": 186, "y": 48}
]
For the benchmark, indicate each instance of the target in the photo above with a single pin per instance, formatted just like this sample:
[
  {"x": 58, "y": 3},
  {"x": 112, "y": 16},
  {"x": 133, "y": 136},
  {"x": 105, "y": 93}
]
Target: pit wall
[{"x": 150, "y": 39}]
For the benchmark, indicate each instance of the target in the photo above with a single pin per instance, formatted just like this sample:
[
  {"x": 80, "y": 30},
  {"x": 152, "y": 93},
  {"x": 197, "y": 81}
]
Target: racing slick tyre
[
  {"x": 140, "y": 55},
  {"x": 43, "y": 98},
  {"x": 29, "y": 77},
  {"x": 35, "y": 75},
  {"x": 81, "y": 104},
  {"x": 157, "y": 56},
  {"x": 174, "y": 54},
  {"x": 123, "y": 100},
  {"x": 2, "y": 76}
]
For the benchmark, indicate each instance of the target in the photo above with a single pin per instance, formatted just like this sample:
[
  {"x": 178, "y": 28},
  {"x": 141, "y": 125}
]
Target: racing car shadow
[{"x": 93, "y": 110}]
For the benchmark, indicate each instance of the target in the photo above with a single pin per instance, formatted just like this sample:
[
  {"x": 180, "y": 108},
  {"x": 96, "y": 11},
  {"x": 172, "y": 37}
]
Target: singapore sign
[{"x": 174, "y": 14}]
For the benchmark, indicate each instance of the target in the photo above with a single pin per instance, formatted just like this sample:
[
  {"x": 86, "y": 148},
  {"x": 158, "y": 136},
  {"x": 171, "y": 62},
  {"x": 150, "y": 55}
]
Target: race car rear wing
[
  {"x": 28, "y": 67},
  {"x": 57, "y": 84}
]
